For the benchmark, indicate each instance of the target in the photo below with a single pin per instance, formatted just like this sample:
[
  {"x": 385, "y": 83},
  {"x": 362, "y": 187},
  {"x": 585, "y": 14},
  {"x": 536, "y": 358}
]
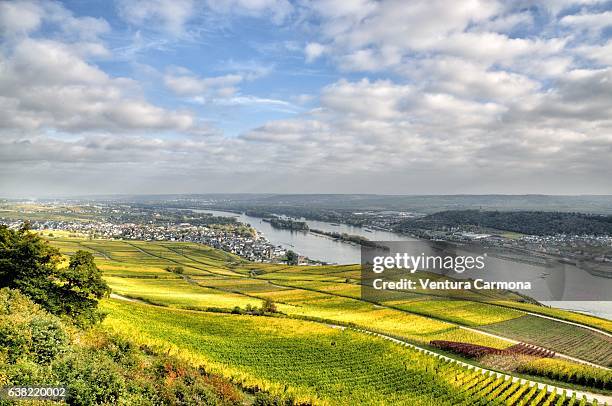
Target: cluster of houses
[{"x": 230, "y": 238}]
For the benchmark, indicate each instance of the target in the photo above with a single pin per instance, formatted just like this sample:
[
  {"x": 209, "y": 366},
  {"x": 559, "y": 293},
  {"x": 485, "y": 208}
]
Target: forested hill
[{"x": 526, "y": 222}]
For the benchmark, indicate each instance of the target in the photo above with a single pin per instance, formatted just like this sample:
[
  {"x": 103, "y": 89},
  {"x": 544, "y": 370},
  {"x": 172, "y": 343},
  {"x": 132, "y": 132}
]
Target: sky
[{"x": 307, "y": 96}]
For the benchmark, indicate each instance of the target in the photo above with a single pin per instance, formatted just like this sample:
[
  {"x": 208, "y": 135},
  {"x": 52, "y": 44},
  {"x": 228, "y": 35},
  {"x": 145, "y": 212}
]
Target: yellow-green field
[
  {"x": 214, "y": 281},
  {"x": 311, "y": 362}
]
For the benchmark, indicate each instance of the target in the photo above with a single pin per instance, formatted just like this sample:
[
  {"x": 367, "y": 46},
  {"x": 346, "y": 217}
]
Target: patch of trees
[
  {"x": 292, "y": 258},
  {"x": 287, "y": 224},
  {"x": 268, "y": 307},
  {"x": 525, "y": 222},
  {"x": 29, "y": 264},
  {"x": 179, "y": 270},
  {"x": 356, "y": 239}
]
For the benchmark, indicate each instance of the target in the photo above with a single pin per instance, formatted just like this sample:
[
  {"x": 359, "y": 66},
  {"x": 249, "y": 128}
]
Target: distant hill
[
  {"x": 526, "y": 222},
  {"x": 427, "y": 204},
  {"x": 600, "y": 204}
]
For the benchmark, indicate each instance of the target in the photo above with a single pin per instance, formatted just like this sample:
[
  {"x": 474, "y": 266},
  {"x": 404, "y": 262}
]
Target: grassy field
[
  {"x": 216, "y": 281},
  {"x": 564, "y": 338}
]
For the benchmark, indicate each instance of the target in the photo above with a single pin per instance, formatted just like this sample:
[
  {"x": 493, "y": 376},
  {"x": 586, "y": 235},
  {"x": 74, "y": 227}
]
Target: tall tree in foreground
[
  {"x": 80, "y": 286},
  {"x": 28, "y": 263}
]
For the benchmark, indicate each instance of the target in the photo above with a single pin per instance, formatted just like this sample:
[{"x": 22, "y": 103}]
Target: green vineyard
[
  {"x": 316, "y": 364},
  {"x": 569, "y": 372},
  {"x": 311, "y": 350},
  {"x": 564, "y": 338}
]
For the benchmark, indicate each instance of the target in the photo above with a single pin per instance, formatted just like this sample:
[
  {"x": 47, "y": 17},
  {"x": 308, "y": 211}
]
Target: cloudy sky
[{"x": 395, "y": 97}]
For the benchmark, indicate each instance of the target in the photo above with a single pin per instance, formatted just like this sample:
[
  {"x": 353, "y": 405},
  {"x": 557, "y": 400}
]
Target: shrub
[
  {"x": 27, "y": 332},
  {"x": 49, "y": 338},
  {"x": 91, "y": 378}
]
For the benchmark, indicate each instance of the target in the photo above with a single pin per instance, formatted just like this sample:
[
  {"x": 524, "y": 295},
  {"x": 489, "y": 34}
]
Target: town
[{"x": 234, "y": 238}]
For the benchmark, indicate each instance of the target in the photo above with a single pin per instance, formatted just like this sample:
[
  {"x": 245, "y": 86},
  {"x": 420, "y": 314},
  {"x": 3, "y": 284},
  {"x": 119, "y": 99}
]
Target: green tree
[
  {"x": 269, "y": 307},
  {"x": 80, "y": 287},
  {"x": 28, "y": 263},
  {"x": 292, "y": 258}
]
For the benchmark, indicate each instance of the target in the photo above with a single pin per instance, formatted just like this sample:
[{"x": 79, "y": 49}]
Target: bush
[
  {"x": 49, "y": 338},
  {"x": 179, "y": 270},
  {"x": 265, "y": 399},
  {"x": 27, "y": 332},
  {"x": 97, "y": 367},
  {"x": 91, "y": 378}
]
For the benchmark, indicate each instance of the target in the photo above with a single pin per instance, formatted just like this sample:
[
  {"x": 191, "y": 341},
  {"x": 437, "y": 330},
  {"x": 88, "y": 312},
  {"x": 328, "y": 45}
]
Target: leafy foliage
[
  {"x": 292, "y": 257},
  {"x": 94, "y": 366},
  {"x": 30, "y": 264}
]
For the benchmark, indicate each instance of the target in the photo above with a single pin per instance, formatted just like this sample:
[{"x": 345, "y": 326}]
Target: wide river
[{"x": 575, "y": 283}]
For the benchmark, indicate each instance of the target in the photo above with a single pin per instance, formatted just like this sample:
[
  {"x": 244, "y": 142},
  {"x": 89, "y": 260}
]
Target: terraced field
[
  {"x": 216, "y": 281},
  {"x": 597, "y": 322},
  {"x": 560, "y": 337},
  {"x": 178, "y": 293},
  {"x": 465, "y": 312},
  {"x": 310, "y": 362}
]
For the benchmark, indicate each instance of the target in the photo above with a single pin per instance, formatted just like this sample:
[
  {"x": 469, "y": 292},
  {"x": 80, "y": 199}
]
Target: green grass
[
  {"x": 587, "y": 320},
  {"x": 464, "y": 312},
  {"x": 137, "y": 268},
  {"x": 460, "y": 311}
]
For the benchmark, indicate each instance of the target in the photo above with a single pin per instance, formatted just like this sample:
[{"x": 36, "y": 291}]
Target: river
[
  {"x": 311, "y": 245},
  {"x": 576, "y": 284}
]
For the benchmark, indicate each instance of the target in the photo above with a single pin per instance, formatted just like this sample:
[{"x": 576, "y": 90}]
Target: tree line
[{"x": 525, "y": 222}]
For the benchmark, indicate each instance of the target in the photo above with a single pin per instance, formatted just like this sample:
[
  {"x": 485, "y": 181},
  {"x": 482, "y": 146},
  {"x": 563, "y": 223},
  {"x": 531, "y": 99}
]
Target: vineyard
[
  {"x": 293, "y": 357},
  {"x": 568, "y": 372},
  {"x": 560, "y": 337},
  {"x": 309, "y": 362},
  {"x": 476, "y": 351}
]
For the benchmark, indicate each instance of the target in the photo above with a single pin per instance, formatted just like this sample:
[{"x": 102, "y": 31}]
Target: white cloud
[
  {"x": 313, "y": 51},
  {"x": 19, "y": 17},
  {"x": 277, "y": 10},
  {"x": 460, "y": 101},
  {"x": 185, "y": 83},
  {"x": 589, "y": 21},
  {"x": 601, "y": 54},
  {"x": 168, "y": 15},
  {"x": 49, "y": 85}
]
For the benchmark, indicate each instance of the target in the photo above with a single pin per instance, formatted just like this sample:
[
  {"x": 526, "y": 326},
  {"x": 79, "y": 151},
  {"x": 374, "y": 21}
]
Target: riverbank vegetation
[{"x": 524, "y": 222}]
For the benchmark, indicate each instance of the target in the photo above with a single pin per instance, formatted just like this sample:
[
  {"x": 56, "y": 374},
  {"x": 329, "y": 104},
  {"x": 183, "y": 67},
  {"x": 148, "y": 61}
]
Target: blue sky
[{"x": 187, "y": 96}]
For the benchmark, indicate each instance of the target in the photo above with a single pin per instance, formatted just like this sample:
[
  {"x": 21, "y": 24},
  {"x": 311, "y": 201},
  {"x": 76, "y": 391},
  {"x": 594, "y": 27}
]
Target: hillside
[
  {"x": 188, "y": 324},
  {"x": 525, "y": 222},
  {"x": 209, "y": 314}
]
